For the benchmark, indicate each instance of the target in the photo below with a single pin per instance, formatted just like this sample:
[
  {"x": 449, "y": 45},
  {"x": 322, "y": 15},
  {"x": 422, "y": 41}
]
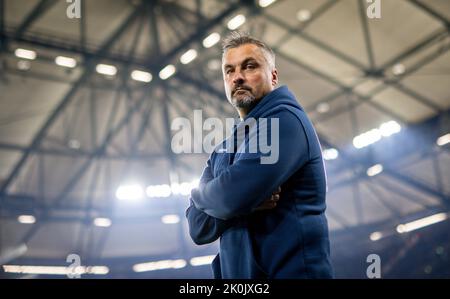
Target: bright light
[
  {"x": 389, "y": 128},
  {"x": 265, "y": 3},
  {"x": 175, "y": 188},
  {"x": 236, "y": 22},
  {"x": 141, "y": 76},
  {"x": 168, "y": 71},
  {"x": 25, "y": 54},
  {"x": 214, "y": 64},
  {"x": 410, "y": 226},
  {"x": 160, "y": 265},
  {"x": 374, "y": 170},
  {"x": 211, "y": 40},
  {"x": 185, "y": 188},
  {"x": 158, "y": 191},
  {"x": 74, "y": 144},
  {"x": 102, "y": 222},
  {"x": 97, "y": 270},
  {"x": 170, "y": 219},
  {"x": 443, "y": 140},
  {"x": 130, "y": 192},
  {"x": 56, "y": 270},
  {"x": 106, "y": 69},
  {"x": 385, "y": 130},
  {"x": 330, "y": 154},
  {"x": 188, "y": 56},
  {"x": 303, "y": 15},
  {"x": 375, "y": 236},
  {"x": 26, "y": 219},
  {"x": 398, "y": 69},
  {"x": 323, "y": 108},
  {"x": 202, "y": 260},
  {"x": 367, "y": 138},
  {"x": 195, "y": 183},
  {"x": 65, "y": 61}
]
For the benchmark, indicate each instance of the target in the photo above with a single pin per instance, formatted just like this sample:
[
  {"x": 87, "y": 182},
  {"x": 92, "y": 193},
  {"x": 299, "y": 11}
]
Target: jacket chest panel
[{"x": 221, "y": 163}]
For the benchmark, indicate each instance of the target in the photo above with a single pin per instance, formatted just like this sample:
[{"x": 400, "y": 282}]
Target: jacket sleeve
[
  {"x": 244, "y": 185},
  {"x": 204, "y": 228}
]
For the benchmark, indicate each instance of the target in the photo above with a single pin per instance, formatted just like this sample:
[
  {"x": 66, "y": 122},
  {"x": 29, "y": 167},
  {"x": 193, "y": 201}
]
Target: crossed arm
[
  {"x": 202, "y": 227},
  {"x": 205, "y": 229},
  {"x": 217, "y": 203}
]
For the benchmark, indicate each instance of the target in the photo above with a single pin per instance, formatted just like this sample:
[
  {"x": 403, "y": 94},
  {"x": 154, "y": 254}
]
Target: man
[{"x": 263, "y": 233}]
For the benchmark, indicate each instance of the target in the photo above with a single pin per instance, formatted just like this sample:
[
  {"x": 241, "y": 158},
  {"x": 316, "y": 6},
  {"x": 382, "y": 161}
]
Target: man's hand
[{"x": 271, "y": 202}]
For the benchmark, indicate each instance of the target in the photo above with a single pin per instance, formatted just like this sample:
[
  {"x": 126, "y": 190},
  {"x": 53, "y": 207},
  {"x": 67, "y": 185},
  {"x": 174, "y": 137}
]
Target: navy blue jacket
[{"x": 289, "y": 241}]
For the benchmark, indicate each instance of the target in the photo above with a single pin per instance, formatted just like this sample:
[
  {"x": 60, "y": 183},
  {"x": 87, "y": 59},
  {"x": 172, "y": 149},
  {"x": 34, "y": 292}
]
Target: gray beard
[{"x": 246, "y": 102}]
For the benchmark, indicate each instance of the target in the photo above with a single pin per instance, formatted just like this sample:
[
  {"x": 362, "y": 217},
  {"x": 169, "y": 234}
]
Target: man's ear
[{"x": 274, "y": 77}]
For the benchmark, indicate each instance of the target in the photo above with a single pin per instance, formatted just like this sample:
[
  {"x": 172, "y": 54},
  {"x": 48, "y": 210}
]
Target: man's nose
[{"x": 238, "y": 78}]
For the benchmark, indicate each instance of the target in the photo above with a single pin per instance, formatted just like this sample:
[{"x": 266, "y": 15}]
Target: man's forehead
[{"x": 241, "y": 53}]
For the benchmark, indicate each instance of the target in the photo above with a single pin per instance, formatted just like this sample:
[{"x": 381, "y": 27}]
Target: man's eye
[
  {"x": 250, "y": 66},
  {"x": 227, "y": 71}
]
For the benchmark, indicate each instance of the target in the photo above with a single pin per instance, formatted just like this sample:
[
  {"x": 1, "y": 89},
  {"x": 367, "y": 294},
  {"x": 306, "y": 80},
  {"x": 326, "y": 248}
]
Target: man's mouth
[{"x": 237, "y": 90}]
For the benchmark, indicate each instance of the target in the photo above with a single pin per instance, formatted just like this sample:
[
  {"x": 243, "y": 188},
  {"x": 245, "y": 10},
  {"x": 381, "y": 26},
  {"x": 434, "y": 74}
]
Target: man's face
[{"x": 247, "y": 76}]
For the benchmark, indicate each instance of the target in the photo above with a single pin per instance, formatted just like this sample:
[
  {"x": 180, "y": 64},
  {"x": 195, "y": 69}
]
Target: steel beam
[
  {"x": 2, "y": 26},
  {"x": 38, "y": 11},
  {"x": 66, "y": 100},
  {"x": 339, "y": 55},
  {"x": 366, "y": 32},
  {"x": 438, "y": 16}
]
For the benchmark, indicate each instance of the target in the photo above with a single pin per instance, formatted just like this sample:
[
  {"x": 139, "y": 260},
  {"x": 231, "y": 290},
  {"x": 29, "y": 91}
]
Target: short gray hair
[{"x": 236, "y": 39}]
